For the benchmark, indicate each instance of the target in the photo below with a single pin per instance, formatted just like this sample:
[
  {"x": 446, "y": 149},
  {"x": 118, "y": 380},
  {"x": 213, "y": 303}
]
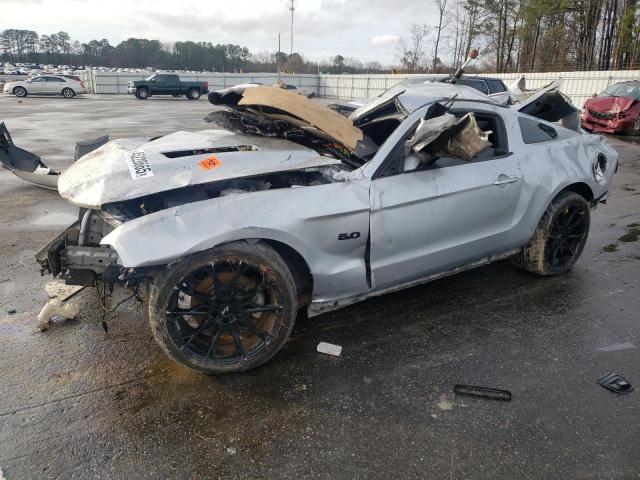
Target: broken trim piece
[
  {"x": 325, "y": 119},
  {"x": 25, "y": 165}
]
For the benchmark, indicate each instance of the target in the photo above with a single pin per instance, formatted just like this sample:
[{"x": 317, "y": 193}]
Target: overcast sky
[{"x": 366, "y": 29}]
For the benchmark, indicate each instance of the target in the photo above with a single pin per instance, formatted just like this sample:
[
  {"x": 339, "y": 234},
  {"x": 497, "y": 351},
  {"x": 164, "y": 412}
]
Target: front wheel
[
  {"x": 635, "y": 128},
  {"x": 226, "y": 310},
  {"x": 68, "y": 93},
  {"x": 193, "y": 94},
  {"x": 142, "y": 93},
  {"x": 20, "y": 92},
  {"x": 559, "y": 238}
]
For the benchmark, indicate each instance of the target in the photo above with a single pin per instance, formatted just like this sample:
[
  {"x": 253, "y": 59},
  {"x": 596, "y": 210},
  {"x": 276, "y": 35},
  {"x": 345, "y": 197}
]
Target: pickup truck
[{"x": 167, "y": 84}]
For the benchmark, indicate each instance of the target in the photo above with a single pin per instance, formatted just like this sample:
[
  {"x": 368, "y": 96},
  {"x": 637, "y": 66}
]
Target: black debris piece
[
  {"x": 483, "y": 392},
  {"x": 615, "y": 383}
]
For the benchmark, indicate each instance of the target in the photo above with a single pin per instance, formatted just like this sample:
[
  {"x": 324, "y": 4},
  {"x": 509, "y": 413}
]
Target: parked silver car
[
  {"x": 45, "y": 85},
  {"x": 291, "y": 206}
]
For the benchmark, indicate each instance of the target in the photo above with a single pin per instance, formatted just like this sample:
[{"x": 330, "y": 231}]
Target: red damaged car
[{"x": 616, "y": 110}]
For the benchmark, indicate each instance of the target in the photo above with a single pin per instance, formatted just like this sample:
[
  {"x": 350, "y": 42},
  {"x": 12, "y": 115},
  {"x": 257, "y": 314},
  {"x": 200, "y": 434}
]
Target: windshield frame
[{"x": 622, "y": 89}]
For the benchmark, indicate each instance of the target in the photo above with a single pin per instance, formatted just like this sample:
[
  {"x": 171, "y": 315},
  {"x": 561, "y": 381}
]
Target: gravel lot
[{"x": 78, "y": 403}]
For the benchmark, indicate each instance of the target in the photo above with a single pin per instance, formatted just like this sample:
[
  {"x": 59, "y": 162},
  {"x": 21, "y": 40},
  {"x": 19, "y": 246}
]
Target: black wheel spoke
[
  {"x": 250, "y": 294},
  {"x": 212, "y": 344},
  {"x": 199, "y": 329},
  {"x": 262, "y": 308},
  {"x": 236, "y": 339},
  {"x": 233, "y": 285},
  {"x": 258, "y": 332},
  {"x": 197, "y": 310},
  {"x": 221, "y": 288},
  {"x": 187, "y": 289}
]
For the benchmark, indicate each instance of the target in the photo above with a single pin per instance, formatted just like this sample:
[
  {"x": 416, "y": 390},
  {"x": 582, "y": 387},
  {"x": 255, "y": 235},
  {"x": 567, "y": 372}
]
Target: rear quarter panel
[{"x": 550, "y": 167}]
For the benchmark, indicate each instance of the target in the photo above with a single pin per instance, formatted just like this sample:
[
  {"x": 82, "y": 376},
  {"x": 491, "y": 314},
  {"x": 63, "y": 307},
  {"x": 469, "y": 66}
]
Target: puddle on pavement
[
  {"x": 54, "y": 219},
  {"x": 633, "y": 233}
]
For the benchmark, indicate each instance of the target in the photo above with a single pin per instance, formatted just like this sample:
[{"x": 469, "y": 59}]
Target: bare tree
[
  {"x": 412, "y": 50},
  {"x": 441, "y": 5}
]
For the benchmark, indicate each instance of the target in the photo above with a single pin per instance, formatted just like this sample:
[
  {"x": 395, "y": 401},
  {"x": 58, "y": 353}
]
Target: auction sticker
[
  {"x": 138, "y": 165},
  {"x": 209, "y": 163}
]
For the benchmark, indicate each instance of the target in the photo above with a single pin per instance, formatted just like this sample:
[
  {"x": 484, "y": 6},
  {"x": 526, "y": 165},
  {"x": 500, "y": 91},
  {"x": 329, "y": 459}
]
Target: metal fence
[
  {"x": 116, "y": 82},
  {"x": 577, "y": 85}
]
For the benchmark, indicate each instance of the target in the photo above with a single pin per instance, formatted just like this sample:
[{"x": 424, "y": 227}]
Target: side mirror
[{"x": 594, "y": 95}]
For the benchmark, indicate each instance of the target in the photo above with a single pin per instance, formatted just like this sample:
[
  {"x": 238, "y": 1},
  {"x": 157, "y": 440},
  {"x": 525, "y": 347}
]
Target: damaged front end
[{"x": 76, "y": 256}]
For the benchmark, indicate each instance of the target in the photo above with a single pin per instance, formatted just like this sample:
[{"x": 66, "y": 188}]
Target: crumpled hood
[
  {"x": 610, "y": 104},
  {"x": 125, "y": 169}
]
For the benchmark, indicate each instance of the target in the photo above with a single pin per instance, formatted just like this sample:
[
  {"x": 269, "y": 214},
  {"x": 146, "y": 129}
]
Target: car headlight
[{"x": 599, "y": 167}]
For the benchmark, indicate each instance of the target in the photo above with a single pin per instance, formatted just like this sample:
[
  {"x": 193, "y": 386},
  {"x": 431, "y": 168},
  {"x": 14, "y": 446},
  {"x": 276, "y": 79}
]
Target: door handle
[{"x": 504, "y": 179}]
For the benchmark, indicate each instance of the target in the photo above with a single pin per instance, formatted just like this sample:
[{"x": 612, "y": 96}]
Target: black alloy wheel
[
  {"x": 223, "y": 312},
  {"x": 566, "y": 238}
]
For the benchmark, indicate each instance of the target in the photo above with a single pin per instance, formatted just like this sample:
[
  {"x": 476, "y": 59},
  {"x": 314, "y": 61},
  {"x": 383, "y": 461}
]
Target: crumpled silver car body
[{"x": 349, "y": 231}]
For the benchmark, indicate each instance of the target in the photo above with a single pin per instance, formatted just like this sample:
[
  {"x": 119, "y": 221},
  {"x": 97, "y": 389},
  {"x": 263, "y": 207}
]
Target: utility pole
[
  {"x": 292, "y": 8},
  {"x": 278, "y": 56}
]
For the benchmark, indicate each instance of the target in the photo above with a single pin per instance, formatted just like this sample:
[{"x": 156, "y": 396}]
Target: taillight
[
  {"x": 206, "y": 85},
  {"x": 82, "y": 83}
]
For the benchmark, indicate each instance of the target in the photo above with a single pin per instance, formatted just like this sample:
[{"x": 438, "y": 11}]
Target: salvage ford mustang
[{"x": 288, "y": 205}]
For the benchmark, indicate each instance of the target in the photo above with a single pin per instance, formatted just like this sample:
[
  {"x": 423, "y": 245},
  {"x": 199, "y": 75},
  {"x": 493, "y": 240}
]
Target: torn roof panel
[
  {"x": 329, "y": 121},
  {"x": 125, "y": 169}
]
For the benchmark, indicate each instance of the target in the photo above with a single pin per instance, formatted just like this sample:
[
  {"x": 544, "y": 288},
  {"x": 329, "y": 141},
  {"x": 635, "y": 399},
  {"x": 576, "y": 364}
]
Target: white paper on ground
[{"x": 329, "y": 349}]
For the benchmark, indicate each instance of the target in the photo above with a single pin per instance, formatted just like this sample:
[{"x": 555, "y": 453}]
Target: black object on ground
[
  {"x": 615, "y": 383},
  {"x": 483, "y": 392}
]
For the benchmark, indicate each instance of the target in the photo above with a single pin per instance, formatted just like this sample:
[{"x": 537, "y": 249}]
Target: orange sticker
[{"x": 209, "y": 163}]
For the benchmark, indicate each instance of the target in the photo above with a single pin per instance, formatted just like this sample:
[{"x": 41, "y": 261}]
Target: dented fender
[{"x": 313, "y": 220}]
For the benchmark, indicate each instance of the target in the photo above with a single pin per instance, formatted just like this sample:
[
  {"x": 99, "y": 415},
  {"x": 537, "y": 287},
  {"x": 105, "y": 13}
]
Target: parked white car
[{"x": 45, "y": 85}]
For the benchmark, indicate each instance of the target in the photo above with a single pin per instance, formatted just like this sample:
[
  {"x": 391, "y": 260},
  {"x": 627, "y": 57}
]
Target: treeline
[
  {"x": 512, "y": 36},
  {"x": 59, "y": 49},
  {"x": 528, "y": 35}
]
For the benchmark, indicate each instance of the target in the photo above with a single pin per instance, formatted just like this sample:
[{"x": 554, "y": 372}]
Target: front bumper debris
[
  {"x": 605, "y": 125},
  {"x": 77, "y": 265}
]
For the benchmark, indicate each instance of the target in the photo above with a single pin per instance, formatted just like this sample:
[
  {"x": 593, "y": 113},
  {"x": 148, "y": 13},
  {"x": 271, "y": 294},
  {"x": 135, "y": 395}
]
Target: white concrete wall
[{"x": 577, "y": 85}]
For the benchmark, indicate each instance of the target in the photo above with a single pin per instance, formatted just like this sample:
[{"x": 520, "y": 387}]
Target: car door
[
  {"x": 450, "y": 215},
  {"x": 53, "y": 85},
  {"x": 37, "y": 85},
  {"x": 165, "y": 85}
]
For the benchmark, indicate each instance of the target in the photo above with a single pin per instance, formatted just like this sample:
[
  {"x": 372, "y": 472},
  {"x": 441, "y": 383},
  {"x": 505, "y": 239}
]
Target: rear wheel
[
  {"x": 20, "y": 92},
  {"x": 559, "y": 237},
  {"x": 142, "y": 93},
  {"x": 68, "y": 93},
  {"x": 193, "y": 94},
  {"x": 227, "y": 310}
]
